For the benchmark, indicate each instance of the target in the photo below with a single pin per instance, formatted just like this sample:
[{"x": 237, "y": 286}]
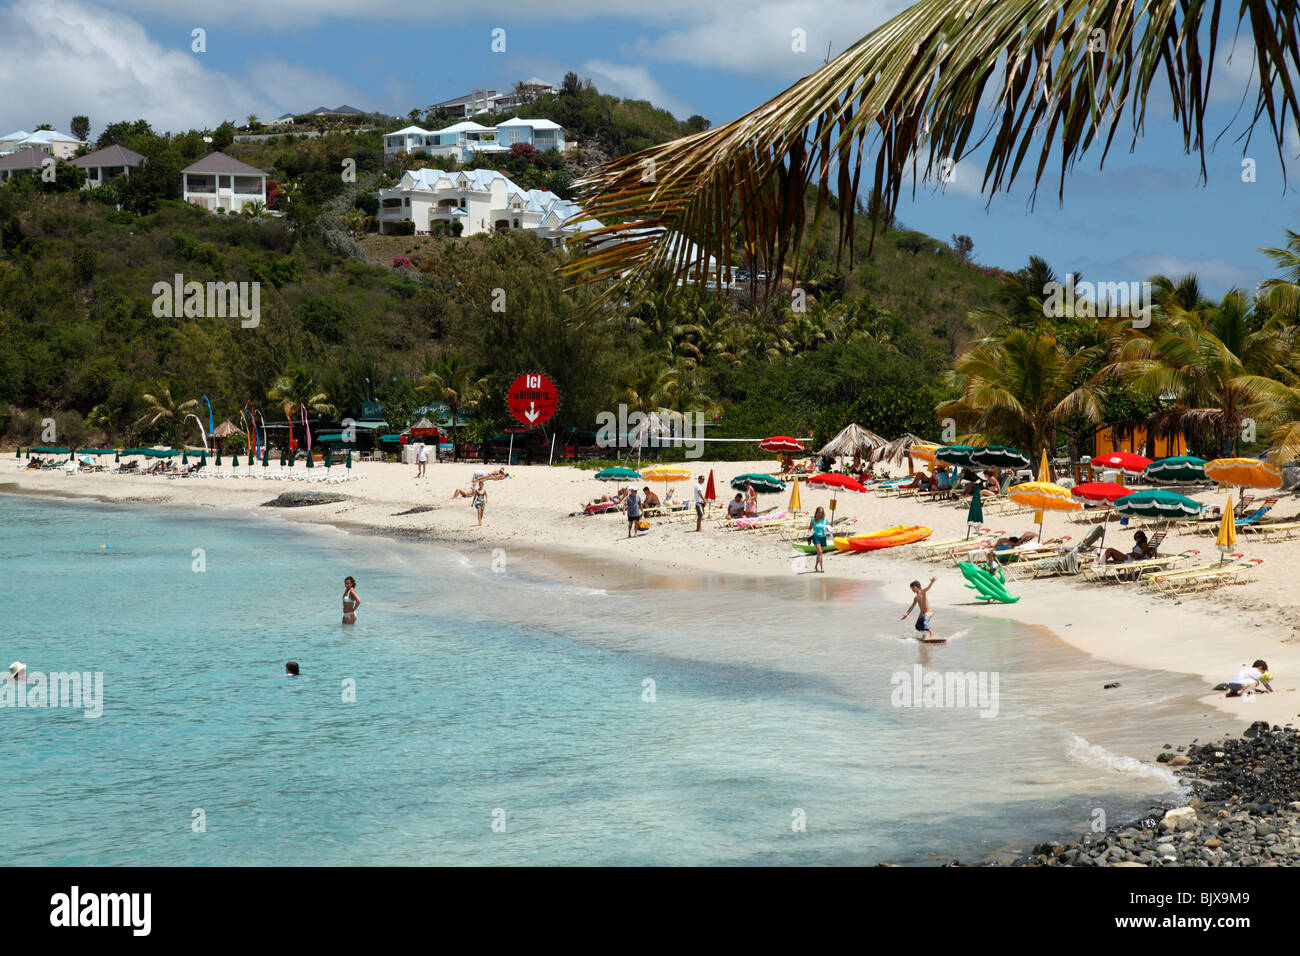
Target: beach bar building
[{"x": 218, "y": 181}]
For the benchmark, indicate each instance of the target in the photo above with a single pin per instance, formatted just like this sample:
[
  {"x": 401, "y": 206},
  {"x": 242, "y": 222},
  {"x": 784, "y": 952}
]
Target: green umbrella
[
  {"x": 975, "y": 517},
  {"x": 997, "y": 456},
  {"x": 329, "y": 456},
  {"x": 234, "y": 461},
  {"x": 763, "y": 484},
  {"x": 308, "y": 456},
  {"x": 617, "y": 474},
  {"x": 18, "y": 453},
  {"x": 218, "y": 461},
  {"x": 1179, "y": 469},
  {"x": 293, "y": 454},
  {"x": 1157, "y": 503},
  {"x": 348, "y": 463},
  {"x": 266, "y": 457},
  {"x": 954, "y": 454},
  {"x": 117, "y": 456},
  {"x": 283, "y": 460}
]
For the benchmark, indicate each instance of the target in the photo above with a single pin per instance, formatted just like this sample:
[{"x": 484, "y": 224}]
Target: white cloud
[
  {"x": 1214, "y": 272},
  {"x": 635, "y": 83},
  {"x": 103, "y": 64}
]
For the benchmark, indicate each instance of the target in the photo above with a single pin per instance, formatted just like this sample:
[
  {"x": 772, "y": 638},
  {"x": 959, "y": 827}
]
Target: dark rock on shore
[
  {"x": 1244, "y": 811},
  {"x": 301, "y": 499}
]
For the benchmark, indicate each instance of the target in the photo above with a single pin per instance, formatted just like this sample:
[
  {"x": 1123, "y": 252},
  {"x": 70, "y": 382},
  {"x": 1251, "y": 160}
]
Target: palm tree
[
  {"x": 1282, "y": 296},
  {"x": 296, "y": 388},
  {"x": 104, "y": 419},
  {"x": 458, "y": 384},
  {"x": 910, "y": 94},
  {"x": 1199, "y": 361},
  {"x": 1276, "y": 405},
  {"x": 160, "y": 405},
  {"x": 254, "y": 209},
  {"x": 1022, "y": 387}
]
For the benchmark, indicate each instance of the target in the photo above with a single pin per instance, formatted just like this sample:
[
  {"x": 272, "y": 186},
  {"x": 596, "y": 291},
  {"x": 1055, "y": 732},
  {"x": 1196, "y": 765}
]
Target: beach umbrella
[
  {"x": 853, "y": 439},
  {"x": 923, "y": 452},
  {"x": 974, "y": 517},
  {"x": 1244, "y": 472},
  {"x": 117, "y": 456},
  {"x": 1125, "y": 461},
  {"x": 293, "y": 453},
  {"x": 1179, "y": 469},
  {"x": 617, "y": 474},
  {"x": 329, "y": 456},
  {"x": 795, "y": 503},
  {"x": 1227, "y": 539},
  {"x": 710, "y": 493},
  {"x": 266, "y": 457},
  {"x": 218, "y": 461},
  {"x": 282, "y": 458},
  {"x": 1157, "y": 503},
  {"x": 1044, "y": 496},
  {"x": 667, "y": 473},
  {"x": 954, "y": 455},
  {"x": 225, "y": 429},
  {"x": 781, "y": 443},
  {"x": 348, "y": 463},
  {"x": 763, "y": 484},
  {"x": 234, "y": 461},
  {"x": 185, "y": 457},
  {"x": 832, "y": 480},
  {"x": 1100, "y": 491},
  {"x": 1000, "y": 456},
  {"x": 1043, "y": 475},
  {"x": 308, "y": 456}
]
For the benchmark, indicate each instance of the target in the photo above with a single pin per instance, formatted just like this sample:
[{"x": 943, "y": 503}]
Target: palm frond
[{"x": 1064, "y": 75}]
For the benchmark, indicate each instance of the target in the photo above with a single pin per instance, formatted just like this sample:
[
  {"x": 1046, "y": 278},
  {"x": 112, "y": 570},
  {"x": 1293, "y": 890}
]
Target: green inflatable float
[{"x": 985, "y": 584}]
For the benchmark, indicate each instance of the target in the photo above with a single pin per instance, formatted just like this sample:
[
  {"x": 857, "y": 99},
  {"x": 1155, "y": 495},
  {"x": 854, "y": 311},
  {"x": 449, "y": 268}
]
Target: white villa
[
  {"x": 218, "y": 181},
  {"x": 462, "y": 140},
  {"x": 480, "y": 101},
  {"x": 482, "y": 200},
  {"x": 51, "y": 141},
  {"x": 105, "y": 165}
]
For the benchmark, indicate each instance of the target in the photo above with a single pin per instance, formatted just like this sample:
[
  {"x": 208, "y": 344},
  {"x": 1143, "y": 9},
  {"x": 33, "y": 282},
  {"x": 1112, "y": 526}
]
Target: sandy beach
[{"x": 1206, "y": 634}]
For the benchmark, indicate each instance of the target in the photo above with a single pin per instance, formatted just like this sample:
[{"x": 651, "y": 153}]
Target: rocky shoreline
[{"x": 1244, "y": 811}]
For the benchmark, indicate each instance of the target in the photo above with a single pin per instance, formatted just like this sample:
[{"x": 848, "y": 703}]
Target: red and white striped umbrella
[{"x": 781, "y": 443}]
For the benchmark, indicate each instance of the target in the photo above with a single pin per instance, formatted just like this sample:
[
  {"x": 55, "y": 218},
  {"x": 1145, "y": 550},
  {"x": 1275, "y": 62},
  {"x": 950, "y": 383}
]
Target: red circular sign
[{"x": 532, "y": 399}]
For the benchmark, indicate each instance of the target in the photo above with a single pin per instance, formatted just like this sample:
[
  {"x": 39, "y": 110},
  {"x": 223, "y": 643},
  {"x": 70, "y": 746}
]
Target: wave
[{"x": 1097, "y": 756}]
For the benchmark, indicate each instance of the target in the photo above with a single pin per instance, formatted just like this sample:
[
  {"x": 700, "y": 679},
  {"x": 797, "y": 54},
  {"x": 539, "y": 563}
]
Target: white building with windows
[
  {"x": 463, "y": 140},
  {"x": 481, "y": 200},
  {"x": 218, "y": 181},
  {"x": 105, "y": 165},
  {"x": 51, "y": 141}
]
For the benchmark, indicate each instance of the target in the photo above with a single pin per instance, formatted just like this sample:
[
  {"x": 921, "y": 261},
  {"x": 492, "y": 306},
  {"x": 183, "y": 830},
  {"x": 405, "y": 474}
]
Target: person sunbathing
[
  {"x": 462, "y": 493},
  {"x": 992, "y": 487},
  {"x": 498, "y": 475},
  {"x": 1141, "y": 550}
]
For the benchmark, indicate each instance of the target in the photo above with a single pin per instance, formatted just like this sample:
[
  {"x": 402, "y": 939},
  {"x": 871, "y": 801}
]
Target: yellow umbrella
[
  {"x": 1244, "y": 472},
  {"x": 1043, "y": 477},
  {"x": 666, "y": 473},
  {"x": 1227, "y": 539},
  {"x": 1044, "y": 496},
  {"x": 923, "y": 452},
  {"x": 795, "y": 503}
]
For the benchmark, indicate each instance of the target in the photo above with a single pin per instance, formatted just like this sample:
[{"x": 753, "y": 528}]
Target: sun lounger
[
  {"x": 1170, "y": 580},
  {"x": 1280, "y": 531},
  {"x": 1205, "y": 575},
  {"x": 1134, "y": 570}
]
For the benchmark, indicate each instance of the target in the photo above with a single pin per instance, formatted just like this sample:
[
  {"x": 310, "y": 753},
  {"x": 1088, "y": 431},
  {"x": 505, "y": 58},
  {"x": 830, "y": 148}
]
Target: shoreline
[{"x": 1205, "y": 635}]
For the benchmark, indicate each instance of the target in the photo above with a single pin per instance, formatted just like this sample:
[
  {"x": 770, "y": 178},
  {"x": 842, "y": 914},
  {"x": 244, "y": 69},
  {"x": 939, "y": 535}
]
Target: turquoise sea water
[{"x": 517, "y": 695}]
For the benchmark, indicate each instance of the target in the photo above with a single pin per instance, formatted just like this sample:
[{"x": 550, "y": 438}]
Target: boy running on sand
[{"x": 921, "y": 602}]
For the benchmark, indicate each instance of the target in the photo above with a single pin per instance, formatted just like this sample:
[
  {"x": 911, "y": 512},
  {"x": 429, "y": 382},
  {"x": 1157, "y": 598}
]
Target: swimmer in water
[{"x": 350, "y": 600}]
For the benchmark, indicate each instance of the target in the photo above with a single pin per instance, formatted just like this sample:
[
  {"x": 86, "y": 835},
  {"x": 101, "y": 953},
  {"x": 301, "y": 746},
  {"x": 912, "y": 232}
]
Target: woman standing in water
[{"x": 350, "y": 600}]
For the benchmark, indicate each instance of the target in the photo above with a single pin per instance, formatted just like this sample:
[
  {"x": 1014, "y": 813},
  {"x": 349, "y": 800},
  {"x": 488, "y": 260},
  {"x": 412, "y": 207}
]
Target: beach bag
[{"x": 643, "y": 525}]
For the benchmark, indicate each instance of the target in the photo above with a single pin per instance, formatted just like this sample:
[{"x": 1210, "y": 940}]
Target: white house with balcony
[
  {"x": 481, "y": 200},
  {"x": 463, "y": 140},
  {"x": 541, "y": 134},
  {"x": 218, "y": 181}
]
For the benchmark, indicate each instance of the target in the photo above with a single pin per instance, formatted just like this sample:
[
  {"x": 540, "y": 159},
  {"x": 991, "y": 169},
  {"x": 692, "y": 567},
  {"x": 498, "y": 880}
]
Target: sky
[{"x": 1143, "y": 214}]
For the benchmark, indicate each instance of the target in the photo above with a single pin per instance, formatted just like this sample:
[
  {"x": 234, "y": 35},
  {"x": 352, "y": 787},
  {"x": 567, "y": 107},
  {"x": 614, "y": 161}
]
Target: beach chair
[
  {"x": 1236, "y": 571},
  {"x": 1171, "y": 580},
  {"x": 1135, "y": 570},
  {"x": 1281, "y": 531}
]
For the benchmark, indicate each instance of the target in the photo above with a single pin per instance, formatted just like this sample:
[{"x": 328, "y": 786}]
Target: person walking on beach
[
  {"x": 699, "y": 502},
  {"x": 921, "y": 601},
  {"x": 350, "y": 600},
  {"x": 1248, "y": 679},
  {"x": 421, "y": 461},
  {"x": 820, "y": 537},
  {"x": 633, "y": 505},
  {"x": 480, "y": 500}
]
